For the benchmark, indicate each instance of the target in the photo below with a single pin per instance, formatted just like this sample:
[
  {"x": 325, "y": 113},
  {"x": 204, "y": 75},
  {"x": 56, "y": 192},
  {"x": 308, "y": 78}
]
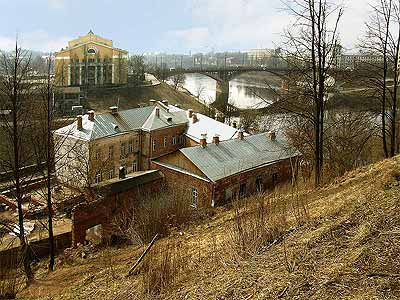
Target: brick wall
[
  {"x": 228, "y": 188},
  {"x": 102, "y": 212},
  {"x": 180, "y": 180}
]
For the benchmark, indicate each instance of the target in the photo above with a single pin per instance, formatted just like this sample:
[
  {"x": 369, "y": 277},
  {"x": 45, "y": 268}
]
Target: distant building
[
  {"x": 91, "y": 60},
  {"x": 352, "y": 61},
  {"x": 261, "y": 55}
]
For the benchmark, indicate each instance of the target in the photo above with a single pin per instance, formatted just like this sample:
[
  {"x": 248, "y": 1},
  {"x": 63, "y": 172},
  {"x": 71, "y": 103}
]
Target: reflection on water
[{"x": 243, "y": 94}]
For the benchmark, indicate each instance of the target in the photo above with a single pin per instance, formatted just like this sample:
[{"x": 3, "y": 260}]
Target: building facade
[
  {"x": 353, "y": 61},
  {"x": 96, "y": 148},
  {"x": 91, "y": 60},
  {"x": 222, "y": 171}
]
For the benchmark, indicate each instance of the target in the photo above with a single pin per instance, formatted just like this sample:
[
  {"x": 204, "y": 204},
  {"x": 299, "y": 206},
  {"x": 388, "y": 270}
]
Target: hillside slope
[
  {"x": 339, "y": 242},
  {"x": 102, "y": 99}
]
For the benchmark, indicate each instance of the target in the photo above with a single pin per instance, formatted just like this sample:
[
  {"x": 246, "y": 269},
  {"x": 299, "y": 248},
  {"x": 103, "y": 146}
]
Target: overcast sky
[{"x": 174, "y": 26}]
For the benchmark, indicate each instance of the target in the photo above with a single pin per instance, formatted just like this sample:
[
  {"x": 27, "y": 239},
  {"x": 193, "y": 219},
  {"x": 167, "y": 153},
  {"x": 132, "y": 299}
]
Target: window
[
  {"x": 259, "y": 184},
  {"x": 91, "y": 51},
  {"x": 98, "y": 177},
  {"x": 174, "y": 140},
  {"x": 242, "y": 190},
  {"x": 130, "y": 146},
  {"x": 195, "y": 197},
  {"x": 97, "y": 154},
  {"x": 274, "y": 178},
  {"x": 111, "y": 173},
  {"x": 122, "y": 150},
  {"x": 110, "y": 151},
  {"x": 134, "y": 166},
  {"x": 91, "y": 60},
  {"x": 154, "y": 145},
  {"x": 165, "y": 141}
]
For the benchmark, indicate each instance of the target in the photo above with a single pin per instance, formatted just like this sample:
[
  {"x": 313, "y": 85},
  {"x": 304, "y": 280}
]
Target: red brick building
[{"x": 221, "y": 171}]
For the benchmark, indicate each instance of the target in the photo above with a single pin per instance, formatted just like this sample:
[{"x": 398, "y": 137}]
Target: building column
[
  {"x": 112, "y": 75},
  {"x": 69, "y": 74},
  {"x": 95, "y": 75},
  {"x": 101, "y": 74}
]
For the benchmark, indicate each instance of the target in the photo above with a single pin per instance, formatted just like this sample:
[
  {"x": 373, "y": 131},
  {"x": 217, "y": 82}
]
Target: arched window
[{"x": 91, "y": 51}]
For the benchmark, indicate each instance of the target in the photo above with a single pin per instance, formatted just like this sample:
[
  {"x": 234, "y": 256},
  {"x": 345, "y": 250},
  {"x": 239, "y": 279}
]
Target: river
[{"x": 243, "y": 93}]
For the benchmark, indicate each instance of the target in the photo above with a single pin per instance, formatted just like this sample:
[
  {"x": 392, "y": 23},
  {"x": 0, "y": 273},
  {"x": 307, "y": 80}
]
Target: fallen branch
[
  {"x": 381, "y": 274},
  {"x": 132, "y": 270}
]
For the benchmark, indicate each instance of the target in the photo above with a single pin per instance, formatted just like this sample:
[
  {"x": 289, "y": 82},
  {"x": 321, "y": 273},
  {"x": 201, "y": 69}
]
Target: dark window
[
  {"x": 110, "y": 151},
  {"x": 195, "y": 197},
  {"x": 274, "y": 178},
  {"x": 259, "y": 184},
  {"x": 123, "y": 150},
  {"x": 242, "y": 190},
  {"x": 91, "y": 51}
]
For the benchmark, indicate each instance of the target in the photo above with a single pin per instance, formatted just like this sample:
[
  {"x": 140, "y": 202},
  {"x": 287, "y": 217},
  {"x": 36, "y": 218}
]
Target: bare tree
[
  {"x": 310, "y": 53},
  {"x": 383, "y": 38},
  {"x": 178, "y": 80},
  {"x": 136, "y": 69},
  {"x": 15, "y": 121}
]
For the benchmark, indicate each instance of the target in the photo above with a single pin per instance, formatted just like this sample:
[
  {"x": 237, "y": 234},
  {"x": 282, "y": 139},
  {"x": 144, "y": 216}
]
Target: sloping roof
[
  {"x": 208, "y": 126},
  {"x": 108, "y": 124},
  {"x": 235, "y": 156},
  {"x": 167, "y": 118}
]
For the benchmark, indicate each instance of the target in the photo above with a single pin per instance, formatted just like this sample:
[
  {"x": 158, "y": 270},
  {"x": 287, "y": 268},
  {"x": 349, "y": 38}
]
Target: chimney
[
  {"x": 91, "y": 115},
  {"x": 190, "y": 112},
  {"x": 216, "y": 139},
  {"x": 152, "y": 102},
  {"x": 272, "y": 135},
  {"x": 241, "y": 134},
  {"x": 234, "y": 124},
  {"x": 203, "y": 140},
  {"x": 157, "y": 112},
  {"x": 114, "y": 110},
  {"x": 79, "y": 122},
  {"x": 194, "y": 118}
]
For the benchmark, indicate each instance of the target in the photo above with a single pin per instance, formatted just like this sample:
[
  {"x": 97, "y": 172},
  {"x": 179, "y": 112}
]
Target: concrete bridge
[{"x": 222, "y": 76}]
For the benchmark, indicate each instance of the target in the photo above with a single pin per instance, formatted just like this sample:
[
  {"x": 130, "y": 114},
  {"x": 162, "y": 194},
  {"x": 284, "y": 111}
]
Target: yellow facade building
[{"x": 91, "y": 60}]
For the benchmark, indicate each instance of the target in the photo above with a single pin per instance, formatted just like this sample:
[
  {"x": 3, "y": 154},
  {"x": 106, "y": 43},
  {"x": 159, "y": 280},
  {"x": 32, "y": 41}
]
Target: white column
[
  {"x": 80, "y": 75},
  {"x": 69, "y": 74},
  {"x": 102, "y": 74},
  {"x": 112, "y": 76}
]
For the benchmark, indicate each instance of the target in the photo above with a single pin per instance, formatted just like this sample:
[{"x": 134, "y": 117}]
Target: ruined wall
[{"x": 101, "y": 212}]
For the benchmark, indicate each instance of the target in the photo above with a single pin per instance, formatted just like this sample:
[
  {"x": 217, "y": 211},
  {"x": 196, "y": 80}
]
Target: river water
[{"x": 243, "y": 93}]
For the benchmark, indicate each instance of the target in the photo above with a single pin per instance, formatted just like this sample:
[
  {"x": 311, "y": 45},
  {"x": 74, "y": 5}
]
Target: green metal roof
[
  {"x": 109, "y": 124},
  {"x": 235, "y": 156}
]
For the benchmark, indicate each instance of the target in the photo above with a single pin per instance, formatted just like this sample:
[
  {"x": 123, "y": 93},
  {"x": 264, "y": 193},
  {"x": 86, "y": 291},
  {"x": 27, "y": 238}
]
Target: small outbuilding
[{"x": 220, "y": 171}]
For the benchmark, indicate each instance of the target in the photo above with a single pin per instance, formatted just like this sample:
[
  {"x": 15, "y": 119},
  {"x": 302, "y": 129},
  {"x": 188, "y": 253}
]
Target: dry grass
[{"x": 339, "y": 242}]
